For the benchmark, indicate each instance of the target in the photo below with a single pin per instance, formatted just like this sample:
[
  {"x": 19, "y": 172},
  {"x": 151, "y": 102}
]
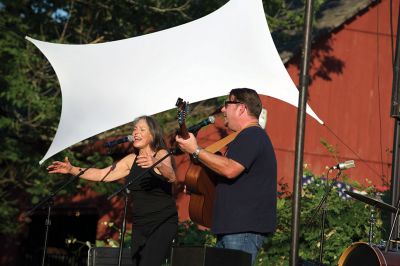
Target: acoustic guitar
[{"x": 200, "y": 181}]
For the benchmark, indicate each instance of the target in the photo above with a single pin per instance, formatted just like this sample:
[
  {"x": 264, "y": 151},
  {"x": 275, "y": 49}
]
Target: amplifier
[
  {"x": 106, "y": 256},
  {"x": 208, "y": 256}
]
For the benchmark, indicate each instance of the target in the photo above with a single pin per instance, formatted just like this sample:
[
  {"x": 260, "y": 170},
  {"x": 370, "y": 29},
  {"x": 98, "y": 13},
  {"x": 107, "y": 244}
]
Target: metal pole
[
  {"x": 395, "y": 113},
  {"x": 394, "y": 184},
  {"x": 322, "y": 236},
  {"x": 47, "y": 225},
  {"x": 123, "y": 228},
  {"x": 301, "y": 114}
]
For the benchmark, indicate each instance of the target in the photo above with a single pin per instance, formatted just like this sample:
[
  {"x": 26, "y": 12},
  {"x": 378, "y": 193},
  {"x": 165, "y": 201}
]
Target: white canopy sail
[{"x": 109, "y": 84}]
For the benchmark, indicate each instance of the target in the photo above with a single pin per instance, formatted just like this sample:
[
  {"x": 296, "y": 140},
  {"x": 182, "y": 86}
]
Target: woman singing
[{"x": 155, "y": 218}]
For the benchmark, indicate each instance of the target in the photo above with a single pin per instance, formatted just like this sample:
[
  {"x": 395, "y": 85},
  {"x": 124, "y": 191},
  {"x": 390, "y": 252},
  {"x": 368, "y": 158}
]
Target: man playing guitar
[{"x": 245, "y": 201}]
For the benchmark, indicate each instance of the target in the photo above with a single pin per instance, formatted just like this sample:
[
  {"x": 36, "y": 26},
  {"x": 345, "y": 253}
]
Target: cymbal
[{"x": 371, "y": 201}]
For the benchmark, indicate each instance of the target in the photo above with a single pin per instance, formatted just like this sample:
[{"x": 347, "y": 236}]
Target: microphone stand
[
  {"x": 392, "y": 227},
  {"x": 49, "y": 202},
  {"x": 372, "y": 220},
  {"x": 322, "y": 204},
  {"x": 123, "y": 227},
  {"x": 125, "y": 188}
]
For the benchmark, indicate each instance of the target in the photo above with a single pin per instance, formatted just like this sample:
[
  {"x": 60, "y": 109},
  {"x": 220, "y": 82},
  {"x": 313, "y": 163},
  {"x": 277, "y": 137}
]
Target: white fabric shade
[{"x": 109, "y": 84}]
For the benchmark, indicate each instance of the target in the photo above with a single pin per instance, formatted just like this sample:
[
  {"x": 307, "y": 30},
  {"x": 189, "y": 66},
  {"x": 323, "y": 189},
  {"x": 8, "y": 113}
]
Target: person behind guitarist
[
  {"x": 155, "y": 219},
  {"x": 245, "y": 202}
]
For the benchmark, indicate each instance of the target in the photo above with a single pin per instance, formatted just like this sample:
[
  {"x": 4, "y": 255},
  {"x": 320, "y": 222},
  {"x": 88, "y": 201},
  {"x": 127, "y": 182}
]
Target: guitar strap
[{"x": 213, "y": 148}]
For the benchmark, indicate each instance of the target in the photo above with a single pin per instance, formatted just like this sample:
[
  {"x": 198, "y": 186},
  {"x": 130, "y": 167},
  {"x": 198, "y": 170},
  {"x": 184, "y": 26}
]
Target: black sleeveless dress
[{"x": 153, "y": 204}]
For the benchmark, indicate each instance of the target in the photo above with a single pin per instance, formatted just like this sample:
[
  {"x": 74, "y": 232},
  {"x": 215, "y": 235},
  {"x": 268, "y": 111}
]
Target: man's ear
[{"x": 243, "y": 109}]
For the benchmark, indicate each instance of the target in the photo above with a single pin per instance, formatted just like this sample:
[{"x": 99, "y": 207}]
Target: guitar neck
[
  {"x": 183, "y": 132},
  {"x": 182, "y": 111}
]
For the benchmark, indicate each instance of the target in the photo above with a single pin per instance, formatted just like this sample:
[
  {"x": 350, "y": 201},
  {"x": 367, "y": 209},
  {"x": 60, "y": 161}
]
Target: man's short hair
[{"x": 250, "y": 98}]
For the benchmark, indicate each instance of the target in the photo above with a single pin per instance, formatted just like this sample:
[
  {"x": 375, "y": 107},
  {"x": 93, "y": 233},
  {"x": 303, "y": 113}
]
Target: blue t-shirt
[{"x": 248, "y": 202}]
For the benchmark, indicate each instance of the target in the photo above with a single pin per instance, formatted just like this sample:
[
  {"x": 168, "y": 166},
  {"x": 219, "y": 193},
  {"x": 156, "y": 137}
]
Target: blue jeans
[{"x": 247, "y": 242}]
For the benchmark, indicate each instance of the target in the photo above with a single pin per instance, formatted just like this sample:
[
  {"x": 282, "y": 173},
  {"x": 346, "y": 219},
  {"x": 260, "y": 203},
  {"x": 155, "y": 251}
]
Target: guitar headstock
[{"x": 183, "y": 110}]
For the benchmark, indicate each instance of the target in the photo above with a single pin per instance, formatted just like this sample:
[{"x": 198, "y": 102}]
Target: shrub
[{"x": 347, "y": 221}]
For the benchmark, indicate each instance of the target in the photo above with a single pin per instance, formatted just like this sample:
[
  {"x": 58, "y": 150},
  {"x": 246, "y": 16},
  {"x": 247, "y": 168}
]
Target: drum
[{"x": 361, "y": 253}]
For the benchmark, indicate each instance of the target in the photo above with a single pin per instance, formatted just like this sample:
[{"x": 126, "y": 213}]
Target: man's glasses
[{"x": 226, "y": 103}]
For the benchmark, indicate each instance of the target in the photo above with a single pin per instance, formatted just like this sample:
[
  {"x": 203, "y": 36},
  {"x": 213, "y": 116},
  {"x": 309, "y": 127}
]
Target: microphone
[
  {"x": 205, "y": 122},
  {"x": 345, "y": 165},
  {"x": 110, "y": 144}
]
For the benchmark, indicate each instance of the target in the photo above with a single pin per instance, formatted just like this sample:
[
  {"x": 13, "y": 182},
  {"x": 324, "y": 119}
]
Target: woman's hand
[
  {"x": 58, "y": 167},
  {"x": 145, "y": 161},
  {"x": 164, "y": 168}
]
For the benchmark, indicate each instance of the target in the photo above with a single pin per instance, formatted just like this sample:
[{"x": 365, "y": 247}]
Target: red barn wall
[{"x": 354, "y": 103}]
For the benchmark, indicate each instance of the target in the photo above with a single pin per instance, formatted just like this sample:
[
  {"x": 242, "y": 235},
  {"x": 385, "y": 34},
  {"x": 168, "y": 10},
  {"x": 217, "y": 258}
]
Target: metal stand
[
  {"x": 392, "y": 227},
  {"x": 322, "y": 205},
  {"x": 47, "y": 224},
  {"x": 322, "y": 235},
  {"x": 49, "y": 202},
  {"x": 123, "y": 228},
  {"x": 372, "y": 220}
]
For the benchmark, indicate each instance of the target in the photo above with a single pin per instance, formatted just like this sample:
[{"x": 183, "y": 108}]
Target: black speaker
[
  {"x": 207, "y": 256},
  {"x": 105, "y": 256},
  {"x": 309, "y": 263}
]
